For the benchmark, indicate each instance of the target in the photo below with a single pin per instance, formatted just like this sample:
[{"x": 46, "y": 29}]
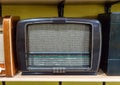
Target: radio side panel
[{"x": 9, "y": 24}]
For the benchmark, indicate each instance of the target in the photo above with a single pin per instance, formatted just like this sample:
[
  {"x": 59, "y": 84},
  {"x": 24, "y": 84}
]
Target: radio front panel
[{"x": 58, "y": 46}]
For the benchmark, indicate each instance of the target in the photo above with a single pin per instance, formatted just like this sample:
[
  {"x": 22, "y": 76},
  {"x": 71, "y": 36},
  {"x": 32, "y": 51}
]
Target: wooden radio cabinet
[{"x": 8, "y": 67}]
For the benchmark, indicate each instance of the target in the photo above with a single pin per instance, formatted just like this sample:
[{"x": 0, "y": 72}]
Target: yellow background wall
[
  {"x": 81, "y": 83},
  {"x": 112, "y": 83},
  {"x": 32, "y": 11},
  {"x": 29, "y": 11},
  {"x": 0, "y": 83},
  {"x": 31, "y": 83},
  {"x": 53, "y": 83},
  {"x": 63, "y": 83},
  {"x": 57, "y": 83}
]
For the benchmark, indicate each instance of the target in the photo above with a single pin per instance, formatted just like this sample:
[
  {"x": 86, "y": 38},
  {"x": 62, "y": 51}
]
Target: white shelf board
[{"x": 101, "y": 77}]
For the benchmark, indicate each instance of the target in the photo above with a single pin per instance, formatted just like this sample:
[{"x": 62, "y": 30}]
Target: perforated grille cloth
[
  {"x": 59, "y": 60},
  {"x": 58, "y": 38}
]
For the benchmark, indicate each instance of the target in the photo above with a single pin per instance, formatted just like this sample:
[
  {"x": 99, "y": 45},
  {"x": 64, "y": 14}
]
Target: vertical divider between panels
[
  {"x": 104, "y": 83},
  {"x": 60, "y": 82},
  {"x": 60, "y": 7},
  {"x": 3, "y": 82},
  {"x": 108, "y": 5}
]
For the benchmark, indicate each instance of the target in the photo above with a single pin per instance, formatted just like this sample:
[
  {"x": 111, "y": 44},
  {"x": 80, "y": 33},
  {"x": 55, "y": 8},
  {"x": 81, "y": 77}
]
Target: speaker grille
[{"x": 58, "y": 38}]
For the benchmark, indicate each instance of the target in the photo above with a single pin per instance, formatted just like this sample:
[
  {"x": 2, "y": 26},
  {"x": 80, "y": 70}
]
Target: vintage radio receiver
[
  {"x": 7, "y": 47},
  {"x": 58, "y": 46}
]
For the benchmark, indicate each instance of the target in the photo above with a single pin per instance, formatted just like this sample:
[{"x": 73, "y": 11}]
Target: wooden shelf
[
  {"x": 52, "y": 1},
  {"x": 101, "y": 77}
]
